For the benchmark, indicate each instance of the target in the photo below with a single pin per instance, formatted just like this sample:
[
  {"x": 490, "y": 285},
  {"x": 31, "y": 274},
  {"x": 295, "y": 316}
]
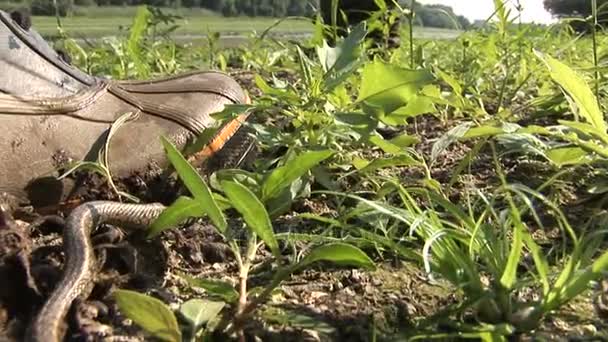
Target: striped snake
[{"x": 80, "y": 266}]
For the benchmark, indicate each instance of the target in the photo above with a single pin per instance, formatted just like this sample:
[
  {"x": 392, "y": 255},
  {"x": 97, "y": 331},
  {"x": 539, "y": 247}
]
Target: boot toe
[{"x": 178, "y": 108}]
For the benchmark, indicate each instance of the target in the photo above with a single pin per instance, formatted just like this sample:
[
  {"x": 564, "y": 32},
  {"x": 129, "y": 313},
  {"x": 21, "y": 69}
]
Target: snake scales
[{"x": 77, "y": 279}]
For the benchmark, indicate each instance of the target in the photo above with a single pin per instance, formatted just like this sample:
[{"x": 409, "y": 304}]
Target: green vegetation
[
  {"x": 520, "y": 151},
  {"x": 194, "y": 26}
]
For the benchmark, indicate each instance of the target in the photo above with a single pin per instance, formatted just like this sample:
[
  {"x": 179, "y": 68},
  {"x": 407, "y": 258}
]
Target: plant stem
[
  {"x": 242, "y": 315},
  {"x": 245, "y": 266},
  {"x": 503, "y": 88},
  {"x": 411, "y": 31},
  {"x": 595, "y": 59}
]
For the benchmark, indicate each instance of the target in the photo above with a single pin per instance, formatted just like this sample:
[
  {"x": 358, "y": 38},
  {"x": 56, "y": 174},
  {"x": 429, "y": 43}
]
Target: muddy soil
[{"x": 323, "y": 303}]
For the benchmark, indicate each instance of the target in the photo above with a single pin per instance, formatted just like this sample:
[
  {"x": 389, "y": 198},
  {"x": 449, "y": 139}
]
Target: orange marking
[{"x": 223, "y": 135}]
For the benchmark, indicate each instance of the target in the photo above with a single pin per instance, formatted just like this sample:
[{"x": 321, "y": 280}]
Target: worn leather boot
[{"x": 52, "y": 114}]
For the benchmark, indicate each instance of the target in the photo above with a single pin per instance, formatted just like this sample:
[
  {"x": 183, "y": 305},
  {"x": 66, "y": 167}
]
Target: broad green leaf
[
  {"x": 448, "y": 139},
  {"x": 598, "y": 187},
  {"x": 318, "y": 32},
  {"x": 149, "y": 313},
  {"x": 533, "y": 129},
  {"x": 253, "y": 212},
  {"x": 360, "y": 163},
  {"x": 182, "y": 209},
  {"x": 588, "y": 145},
  {"x": 280, "y": 204},
  {"x": 576, "y": 87},
  {"x": 417, "y": 106},
  {"x": 198, "y": 312},
  {"x": 216, "y": 287},
  {"x": 338, "y": 253},
  {"x": 249, "y": 179},
  {"x": 288, "y": 95},
  {"x": 567, "y": 156},
  {"x": 386, "y": 146},
  {"x": 283, "y": 176},
  {"x": 195, "y": 184},
  {"x": 389, "y": 86},
  {"x": 345, "y": 53},
  {"x": 343, "y": 60},
  {"x": 586, "y": 129},
  {"x": 404, "y": 140},
  {"x": 483, "y": 131}
]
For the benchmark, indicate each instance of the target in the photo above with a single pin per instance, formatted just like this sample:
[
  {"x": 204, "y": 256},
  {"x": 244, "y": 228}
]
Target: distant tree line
[
  {"x": 580, "y": 10},
  {"x": 426, "y": 15},
  {"x": 439, "y": 16},
  {"x": 253, "y": 8}
]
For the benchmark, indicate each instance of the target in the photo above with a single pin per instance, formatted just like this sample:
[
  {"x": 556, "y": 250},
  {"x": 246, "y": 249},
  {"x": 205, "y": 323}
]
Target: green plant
[
  {"x": 250, "y": 207},
  {"x": 480, "y": 248},
  {"x": 571, "y": 143}
]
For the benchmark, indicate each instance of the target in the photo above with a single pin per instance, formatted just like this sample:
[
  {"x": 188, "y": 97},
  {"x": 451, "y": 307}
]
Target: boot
[{"x": 52, "y": 114}]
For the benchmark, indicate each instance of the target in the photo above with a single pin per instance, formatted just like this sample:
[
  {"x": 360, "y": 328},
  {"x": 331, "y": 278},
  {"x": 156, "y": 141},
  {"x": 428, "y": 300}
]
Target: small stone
[
  {"x": 337, "y": 286},
  {"x": 356, "y": 276},
  {"x": 589, "y": 330},
  {"x": 310, "y": 336},
  {"x": 411, "y": 309},
  {"x": 317, "y": 294}
]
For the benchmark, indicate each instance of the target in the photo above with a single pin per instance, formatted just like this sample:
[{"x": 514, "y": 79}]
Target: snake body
[{"x": 78, "y": 276}]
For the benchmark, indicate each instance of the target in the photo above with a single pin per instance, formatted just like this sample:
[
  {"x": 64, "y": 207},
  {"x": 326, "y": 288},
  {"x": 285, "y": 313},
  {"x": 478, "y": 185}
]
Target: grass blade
[{"x": 196, "y": 185}]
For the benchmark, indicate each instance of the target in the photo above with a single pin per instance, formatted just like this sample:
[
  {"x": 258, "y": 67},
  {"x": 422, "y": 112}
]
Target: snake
[{"x": 77, "y": 280}]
